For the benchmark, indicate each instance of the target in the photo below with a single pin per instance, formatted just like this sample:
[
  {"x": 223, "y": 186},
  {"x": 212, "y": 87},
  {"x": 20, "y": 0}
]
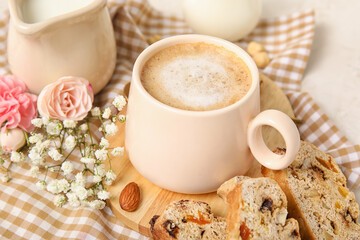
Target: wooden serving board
[{"x": 154, "y": 199}]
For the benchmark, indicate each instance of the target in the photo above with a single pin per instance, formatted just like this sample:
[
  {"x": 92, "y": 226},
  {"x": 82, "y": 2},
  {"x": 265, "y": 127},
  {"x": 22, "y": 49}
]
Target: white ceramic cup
[{"x": 196, "y": 151}]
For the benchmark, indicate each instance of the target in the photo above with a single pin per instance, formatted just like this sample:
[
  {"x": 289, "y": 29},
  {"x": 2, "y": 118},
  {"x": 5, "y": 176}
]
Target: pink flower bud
[{"x": 12, "y": 139}]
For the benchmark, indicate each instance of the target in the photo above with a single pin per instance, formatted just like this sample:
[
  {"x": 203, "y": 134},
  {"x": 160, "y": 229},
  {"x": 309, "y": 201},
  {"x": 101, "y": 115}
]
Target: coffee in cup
[
  {"x": 196, "y": 151},
  {"x": 196, "y": 76}
]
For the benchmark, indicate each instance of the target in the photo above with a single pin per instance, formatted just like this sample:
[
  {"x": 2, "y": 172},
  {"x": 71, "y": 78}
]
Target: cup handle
[{"x": 287, "y": 128}]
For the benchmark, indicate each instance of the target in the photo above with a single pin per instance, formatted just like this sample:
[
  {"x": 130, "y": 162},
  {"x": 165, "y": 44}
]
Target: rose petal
[{"x": 69, "y": 99}]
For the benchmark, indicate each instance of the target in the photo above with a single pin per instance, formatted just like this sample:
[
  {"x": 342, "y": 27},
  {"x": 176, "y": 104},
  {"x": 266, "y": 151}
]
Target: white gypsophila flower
[
  {"x": 33, "y": 154},
  {"x": 54, "y": 154},
  {"x": 97, "y": 188},
  {"x": 118, "y": 151},
  {"x": 67, "y": 167},
  {"x": 59, "y": 200},
  {"x": 97, "y": 204},
  {"x": 103, "y": 195},
  {"x": 83, "y": 127},
  {"x": 111, "y": 129},
  {"x": 97, "y": 178},
  {"x": 100, "y": 170},
  {"x": 104, "y": 143},
  {"x": 107, "y": 112},
  {"x": 5, "y": 178},
  {"x": 54, "y": 128},
  {"x": 69, "y": 123},
  {"x": 63, "y": 185},
  {"x": 119, "y": 102},
  {"x": 38, "y": 146},
  {"x": 110, "y": 177},
  {"x": 37, "y": 122},
  {"x": 46, "y": 143},
  {"x": 45, "y": 120},
  {"x": 84, "y": 203},
  {"x": 17, "y": 157},
  {"x": 95, "y": 112},
  {"x": 34, "y": 171},
  {"x": 70, "y": 142},
  {"x": 41, "y": 184},
  {"x": 101, "y": 154},
  {"x": 122, "y": 118},
  {"x": 81, "y": 192},
  {"x": 36, "y": 157},
  {"x": 113, "y": 119},
  {"x": 53, "y": 187},
  {"x": 87, "y": 160},
  {"x": 38, "y": 162},
  {"x": 80, "y": 179},
  {"x": 90, "y": 192},
  {"x": 42, "y": 147},
  {"x": 73, "y": 200},
  {"x": 106, "y": 122},
  {"x": 36, "y": 138}
]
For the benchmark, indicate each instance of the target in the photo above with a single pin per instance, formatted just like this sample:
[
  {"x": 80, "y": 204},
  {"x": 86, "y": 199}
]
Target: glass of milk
[{"x": 227, "y": 19}]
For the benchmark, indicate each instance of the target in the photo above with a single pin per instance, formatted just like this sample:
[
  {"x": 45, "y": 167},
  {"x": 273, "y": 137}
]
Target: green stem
[
  {"x": 62, "y": 140},
  {"x": 3, "y": 169},
  {"x": 53, "y": 166},
  {"x": 46, "y": 173},
  {"x": 102, "y": 125},
  {"x": 88, "y": 170},
  {"x": 109, "y": 158},
  {"x": 82, "y": 155},
  {"x": 89, "y": 131},
  {"x": 27, "y": 138},
  {"x": 69, "y": 154}
]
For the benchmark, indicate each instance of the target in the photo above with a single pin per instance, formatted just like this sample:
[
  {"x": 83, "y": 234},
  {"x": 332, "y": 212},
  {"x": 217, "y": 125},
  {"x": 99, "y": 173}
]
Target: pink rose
[
  {"x": 68, "y": 98},
  {"x": 12, "y": 140},
  {"x": 17, "y": 107}
]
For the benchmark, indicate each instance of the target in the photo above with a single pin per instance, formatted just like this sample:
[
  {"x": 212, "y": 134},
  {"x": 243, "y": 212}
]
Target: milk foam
[
  {"x": 196, "y": 77},
  {"x": 195, "y": 82}
]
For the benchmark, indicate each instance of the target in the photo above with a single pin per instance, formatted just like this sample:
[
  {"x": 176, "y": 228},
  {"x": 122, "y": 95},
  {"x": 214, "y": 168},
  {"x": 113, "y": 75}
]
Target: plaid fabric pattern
[{"x": 28, "y": 213}]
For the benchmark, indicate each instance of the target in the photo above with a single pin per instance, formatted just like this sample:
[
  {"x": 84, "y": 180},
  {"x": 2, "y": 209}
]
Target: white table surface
[{"x": 332, "y": 76}]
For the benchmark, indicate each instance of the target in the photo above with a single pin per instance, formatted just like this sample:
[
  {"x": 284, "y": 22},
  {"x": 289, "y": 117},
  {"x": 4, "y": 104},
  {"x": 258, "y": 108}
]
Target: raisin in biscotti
[
  {"x": 317, "y": 194},
  {"x": 188, "y": 219},
  {"x": 257, "y": 209}
]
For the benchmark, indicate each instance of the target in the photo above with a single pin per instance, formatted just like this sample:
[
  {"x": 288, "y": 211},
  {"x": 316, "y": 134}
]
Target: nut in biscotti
[
  {"x": 187, "y": 219},
  {"x": 257, "y": 209}
]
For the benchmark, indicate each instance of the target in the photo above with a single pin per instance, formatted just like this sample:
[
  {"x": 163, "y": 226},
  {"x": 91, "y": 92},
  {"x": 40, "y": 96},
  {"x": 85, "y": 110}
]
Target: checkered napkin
[{"x": 28, "y": 213}]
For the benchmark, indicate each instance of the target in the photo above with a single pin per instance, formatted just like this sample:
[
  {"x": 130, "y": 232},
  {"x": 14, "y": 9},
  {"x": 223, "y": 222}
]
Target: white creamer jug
[{"x": 49, "y": 39}]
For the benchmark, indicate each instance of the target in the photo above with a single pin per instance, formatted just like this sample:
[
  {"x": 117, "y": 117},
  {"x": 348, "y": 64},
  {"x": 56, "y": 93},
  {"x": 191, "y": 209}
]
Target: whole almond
[{"x": 130, "y": 197}]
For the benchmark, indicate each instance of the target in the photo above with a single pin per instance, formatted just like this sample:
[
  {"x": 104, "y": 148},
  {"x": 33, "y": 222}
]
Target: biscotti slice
[
  {"x": 257, "y": 209},
  {"x": 188, "y": 219},
  {"x": 317, "y": 195}
]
